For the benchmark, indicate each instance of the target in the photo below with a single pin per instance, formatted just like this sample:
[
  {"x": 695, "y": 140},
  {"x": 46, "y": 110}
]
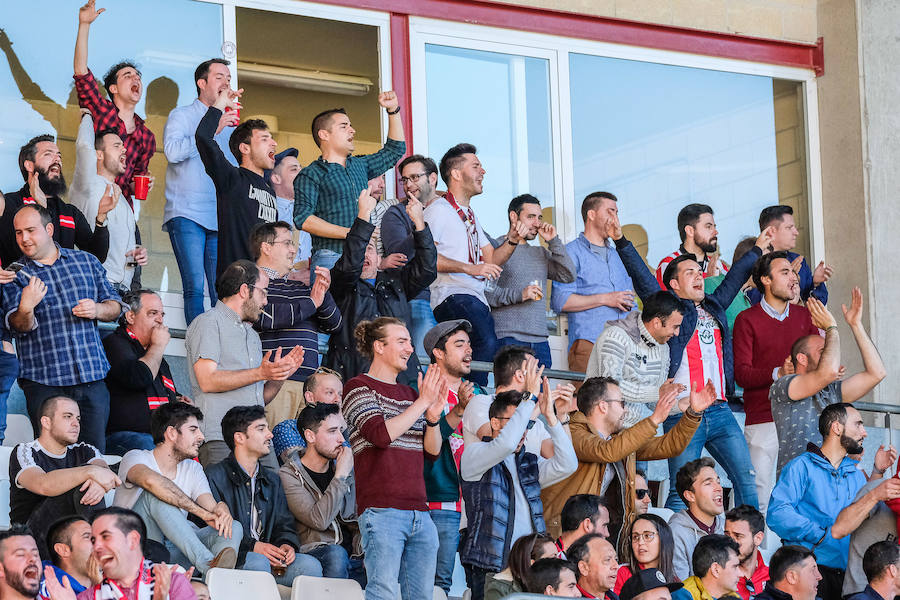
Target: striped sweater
[
  {"x": 628, "y": 353},
  {"x": 389, "y": 474}
]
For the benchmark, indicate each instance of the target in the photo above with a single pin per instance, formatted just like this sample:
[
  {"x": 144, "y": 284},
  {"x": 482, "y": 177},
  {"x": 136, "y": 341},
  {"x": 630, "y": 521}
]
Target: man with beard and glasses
[
  {"x": 190, "y": 213},
  {"x": 747, "y": 527},
  {"x": 40, "y": 162},
  {"x": 99, "y": 160},
  {"x": 20, "y": 565},
  {"x": 763, "y": 335},
  {"x": 163, "y": 485},
  {"x": 818, "y": 381},
  {"x": 321, "y": 493},
  {"x": 227, "y": 365},
  {"x": 813, "y": 489},
  {"x": 697, "y": 228},
  {"x": 517, "y": 302}
]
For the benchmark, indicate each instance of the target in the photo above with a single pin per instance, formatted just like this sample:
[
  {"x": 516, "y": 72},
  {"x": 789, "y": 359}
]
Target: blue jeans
[
  {"x": 721, "y": 435},
  {"x": 92, "y": 399},
  {"x": 336, "y": 563},
  {"x": 541, "y": 349},
  {"x": 195, "y": 250},
  {"x": 400, "y": 545},
  {"x": 303, "y": 564},
  {"x": 321, "y": 258},
  {"x": 120, "y": 442},
  {"x": 422, "y": 320},
  {"x": 447, "y": 524},
  {"x": 483, "y": 337},
  {"x": 9, "y": 370},
  {"x": 187, "y": 544}
]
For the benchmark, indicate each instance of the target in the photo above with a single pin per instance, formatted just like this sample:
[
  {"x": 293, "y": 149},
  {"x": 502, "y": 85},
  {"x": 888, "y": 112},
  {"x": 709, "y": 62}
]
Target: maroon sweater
[
  {"x": 761, "y": 343},
  {"x": 387, "y": 474}
]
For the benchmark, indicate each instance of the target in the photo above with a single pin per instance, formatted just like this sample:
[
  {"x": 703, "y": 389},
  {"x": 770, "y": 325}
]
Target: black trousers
[{"x": 831, "y": 584}]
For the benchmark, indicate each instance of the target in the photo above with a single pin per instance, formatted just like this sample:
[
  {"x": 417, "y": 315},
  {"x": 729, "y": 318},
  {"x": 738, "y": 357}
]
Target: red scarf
[{"x": 468, "y": 219}]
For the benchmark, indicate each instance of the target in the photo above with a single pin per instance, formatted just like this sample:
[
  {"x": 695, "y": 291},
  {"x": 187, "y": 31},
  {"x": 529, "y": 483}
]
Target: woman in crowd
[
  {"x": 647, "y": 544},
  {"x": 522, "y": 555}
]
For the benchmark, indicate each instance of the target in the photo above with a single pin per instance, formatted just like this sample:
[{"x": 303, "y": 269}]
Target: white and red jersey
[
  {"x": 456, "y": 446},
  {"x": 703, "y": 359},
  {"x": 704, "y": 264}
]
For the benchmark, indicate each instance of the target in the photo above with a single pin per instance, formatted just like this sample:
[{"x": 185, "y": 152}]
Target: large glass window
[{"x": 37, "y": 91}]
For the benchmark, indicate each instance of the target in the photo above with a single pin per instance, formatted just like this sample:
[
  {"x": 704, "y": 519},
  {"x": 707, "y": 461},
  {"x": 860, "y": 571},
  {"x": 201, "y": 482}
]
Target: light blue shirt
[
  {"x": 599, "y": 271},
  {"x": 190, "y": 192}
]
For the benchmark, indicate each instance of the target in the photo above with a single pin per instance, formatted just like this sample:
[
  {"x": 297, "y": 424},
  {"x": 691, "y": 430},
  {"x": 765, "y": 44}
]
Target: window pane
[
  {"x": 660, "y": 137},
  {"x": 37, "y": 91}
]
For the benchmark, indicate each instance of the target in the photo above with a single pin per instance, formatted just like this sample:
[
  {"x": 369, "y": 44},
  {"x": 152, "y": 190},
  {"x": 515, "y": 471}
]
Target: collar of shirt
[
  {"x": 774, "y": 313},
  {"x": 645, "y": 335},
  {"x": 592, "y": 246},
  {"x": 707, "y": 529},
  {"x": 272, "y": 273},
  {"x": 228, "y": 313},
  {"x": 63, "y": 253}
]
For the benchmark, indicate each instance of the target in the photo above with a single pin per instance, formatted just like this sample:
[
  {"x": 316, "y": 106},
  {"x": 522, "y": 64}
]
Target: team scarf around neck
[
  {"x": 110, "y": 590},
  {"x": 468, "y": 219}
]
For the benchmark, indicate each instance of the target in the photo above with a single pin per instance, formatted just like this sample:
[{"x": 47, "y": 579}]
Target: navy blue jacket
[{"x": 645, "y": 284}]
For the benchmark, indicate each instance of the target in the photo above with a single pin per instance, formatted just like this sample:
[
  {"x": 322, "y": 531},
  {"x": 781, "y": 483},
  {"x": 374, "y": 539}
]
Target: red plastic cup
[
  {"x": 141, "y": 186},
  {"x": 237, "y": 111}
]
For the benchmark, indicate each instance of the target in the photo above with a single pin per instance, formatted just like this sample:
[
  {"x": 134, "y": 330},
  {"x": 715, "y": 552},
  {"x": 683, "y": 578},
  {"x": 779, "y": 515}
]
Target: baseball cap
[
  {"x": 267, "y": 174},
  {"x": 440, "y": 330},
  {"x": 644, "y": 581}
]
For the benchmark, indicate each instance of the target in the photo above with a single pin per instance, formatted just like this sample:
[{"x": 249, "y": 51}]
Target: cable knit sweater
[{"x": 628, "y": 353}]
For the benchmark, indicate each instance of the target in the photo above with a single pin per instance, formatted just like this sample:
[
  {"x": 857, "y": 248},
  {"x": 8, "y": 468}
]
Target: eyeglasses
[
  {"x": 264, "y": 291},
  {"x": 645, "y": 536},
  {"x": 290, "y": 243},
  {"x": 412, "y": 178},
  {"x": 641, "y": 493}
]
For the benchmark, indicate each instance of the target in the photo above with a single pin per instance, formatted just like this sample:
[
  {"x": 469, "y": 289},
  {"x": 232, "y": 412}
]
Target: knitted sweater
[
  {"x": 527, "y": 321},
  {"x": 388, "y": 473}
]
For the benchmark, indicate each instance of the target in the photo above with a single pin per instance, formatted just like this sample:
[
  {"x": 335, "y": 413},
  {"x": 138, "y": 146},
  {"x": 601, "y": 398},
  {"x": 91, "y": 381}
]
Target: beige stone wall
[{"x": 793, "y": 20}]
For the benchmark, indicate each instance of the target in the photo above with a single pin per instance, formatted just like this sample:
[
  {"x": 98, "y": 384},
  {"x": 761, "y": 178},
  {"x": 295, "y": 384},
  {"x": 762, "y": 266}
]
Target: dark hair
[
  {"x": 312, "y": 416},
  {"x": 453, "y": 158},
  {"x": 264, "y": 233},
  {"x": 591, "y": 201},
  {"x": 441, "y": 343},
  {"x": 240, "y": 272},
  {"x": 46, "y": 218},
  {"x": 15, "y": 530},
  {"x": 126, "y": 520},
  {"x": 763, "y": 267},
  {"x": 578, "y": 508},
  {"x": 202, "y": 70},
  {"x": 671, "y": 271},
  {"x": 29, "y": 152},
  {"x": 516, "y": 204},
  {"x": 666, "y": 546},
  {"x": 524, "y": 551},
  {"x": 544, "y": 572},
  {"x": 171, "y": 414},
  {"x": 592, "y": 392},
  {"x": 367, "y": 333},
  {"x": 59, "y": 534},
  {"x": 112, "y": 75},
  {"x": 785, "y": 558},
  {"x": 502, "y": 402},
  {"x": 743, "y": 247},
  {"x": 311, "y": 382},
  {"x": 770, "y": 214},
  {"x": 747, "y": 513},
  {"x": 642, "y": 473},
  {"x": 98, "y": 137},
  {"x": 238, "y": 419},
  {"x": 427, "y": 164},
  {"x": 713, "y": 548},
  {"x": 689, "y": 215},
  {"x": 323, "y": 121},
  {"x": 836, "y": 412},
  {"x": 48, "y": 406},
  {"x": 134, "y": 299},
  {"x": 579, "y": 550},
  {"x": 507, "y": 361},
  {"x": 661, "y": 304},
  {"x": 242, "y": 134},
  {"x": 684, "y": 479},
  {"x": 878, "y": 557}
]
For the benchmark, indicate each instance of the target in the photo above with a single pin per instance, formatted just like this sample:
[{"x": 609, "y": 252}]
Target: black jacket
[
  {"x": 359, "y": 300},
  {"x": 70, "y": 227},
  {"x": 230, "y": 484},
  {"x": 771, "y": 593}
]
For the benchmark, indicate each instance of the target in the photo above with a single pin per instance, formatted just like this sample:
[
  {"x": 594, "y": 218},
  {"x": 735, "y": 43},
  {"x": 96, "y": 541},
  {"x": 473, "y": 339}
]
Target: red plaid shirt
[{"x": 140, "y": 144}]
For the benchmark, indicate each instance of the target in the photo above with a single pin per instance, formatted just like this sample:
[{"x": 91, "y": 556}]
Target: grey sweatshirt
[
  {"x": 527, "y": 321},
  {"x": 687, "y": 534}
]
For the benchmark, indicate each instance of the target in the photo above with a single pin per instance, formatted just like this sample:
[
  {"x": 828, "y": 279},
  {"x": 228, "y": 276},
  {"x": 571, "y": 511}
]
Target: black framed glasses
[{"x": 412, "y": 178}]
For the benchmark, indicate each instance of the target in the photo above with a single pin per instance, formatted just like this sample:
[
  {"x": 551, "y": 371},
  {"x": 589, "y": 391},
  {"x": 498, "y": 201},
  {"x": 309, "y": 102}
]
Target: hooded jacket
[
  {"x": 807, "y": 499},
  {"x": 695, "y": 587},
  {"x": 686, "y": 535}
]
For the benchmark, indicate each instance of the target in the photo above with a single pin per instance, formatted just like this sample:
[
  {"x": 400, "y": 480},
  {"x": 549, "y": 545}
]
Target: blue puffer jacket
[
  {"x": 645, "y": 285},
  {"x": 807, "y": 499}
]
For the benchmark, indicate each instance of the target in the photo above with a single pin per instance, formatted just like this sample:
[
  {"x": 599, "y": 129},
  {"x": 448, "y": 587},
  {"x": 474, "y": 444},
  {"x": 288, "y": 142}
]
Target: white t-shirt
[
  {"x": 476, "y": 415},
  {"x": 702, "y": 359},
  {"x": 451, "y": 240},
  {"x": 189, "y": 476}
]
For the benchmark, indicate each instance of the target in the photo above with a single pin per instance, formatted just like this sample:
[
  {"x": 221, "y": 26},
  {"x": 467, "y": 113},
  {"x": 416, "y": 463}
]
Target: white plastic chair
[
  {"x": 323, "y": 588},
  {"x": 18, "y": 430},
  {"x": 5, "y": 453},
  {"x": 232, "y": 584},
  {"x": 439, "y": 593}
]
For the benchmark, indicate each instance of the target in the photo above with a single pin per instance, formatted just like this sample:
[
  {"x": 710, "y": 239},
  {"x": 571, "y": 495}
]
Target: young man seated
[
  {"x": 254, "y": 494},
  {"x": 582, "y": 514},
  {"x": 163, "y": 485},
  {"x": 553, "y": 577},
  {"x": 698, "y": 485},
  {"x": 71, "y": 554},
  {"x": 56, "y": 475},
  {"x": 717, "y": 568}
]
